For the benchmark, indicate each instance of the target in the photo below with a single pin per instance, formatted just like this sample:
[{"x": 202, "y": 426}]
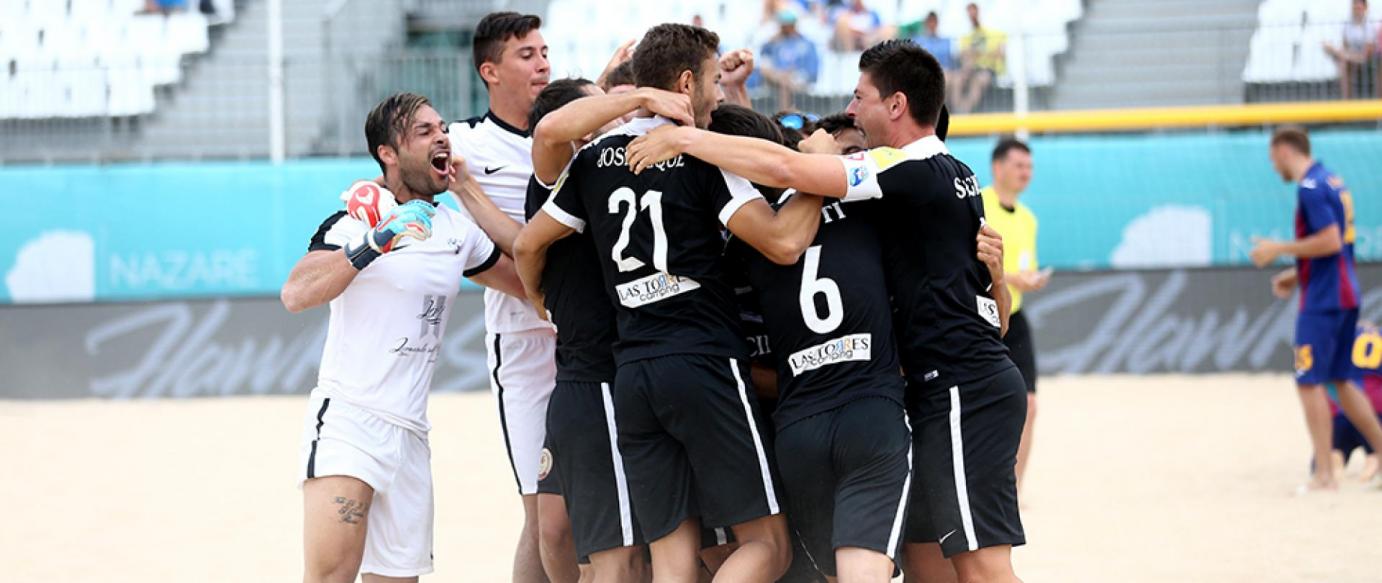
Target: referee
[{"x": 1012, "y": 172}]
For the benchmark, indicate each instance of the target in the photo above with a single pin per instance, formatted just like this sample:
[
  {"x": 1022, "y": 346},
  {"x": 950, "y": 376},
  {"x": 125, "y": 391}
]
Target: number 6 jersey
[
  {"x": 659, "y": 239},
  {"x": 828, "y": 316}
]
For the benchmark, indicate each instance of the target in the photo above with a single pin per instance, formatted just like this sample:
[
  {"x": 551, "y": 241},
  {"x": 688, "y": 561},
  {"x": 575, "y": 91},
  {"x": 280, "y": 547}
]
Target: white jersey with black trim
[
  {"x": 500, "y": 157},
  {"x": 385, "y": 330}
]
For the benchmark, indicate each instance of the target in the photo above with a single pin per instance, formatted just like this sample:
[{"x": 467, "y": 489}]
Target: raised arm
[
  {"x": 553, "y": 135},
  {"x": 760, "y": 161},
  {"x": 530, "y": 255},
  {"x": 344, "y": 246},
  {"x": 471, "y": 196},
  {"x": 1323, "y": 243}
]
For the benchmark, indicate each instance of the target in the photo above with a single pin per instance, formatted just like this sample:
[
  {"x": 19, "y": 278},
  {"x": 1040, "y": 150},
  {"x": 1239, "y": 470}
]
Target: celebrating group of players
[{"x": 762, "y": 363}]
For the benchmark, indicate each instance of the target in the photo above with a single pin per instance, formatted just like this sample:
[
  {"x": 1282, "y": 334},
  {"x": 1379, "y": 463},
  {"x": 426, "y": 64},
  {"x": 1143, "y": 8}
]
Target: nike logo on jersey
[
  {"x": 489, "y": 170},
  {"x": 947, "y": 535}
]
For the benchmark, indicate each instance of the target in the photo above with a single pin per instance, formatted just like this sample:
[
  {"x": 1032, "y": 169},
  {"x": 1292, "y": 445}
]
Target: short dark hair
[
  {"x": 496, "y": 28},
  {"x": 554, "y": 96},
  {"x": 835, "y": 123},
  {"x": 737, "y": 120},
  {"x": 668, "y": 49},
  {"x": 390, "y": 119},
  {"x": 1008, "y": 144},
  {"x": 621, "y": 75},
  {"x": 932, "y": 16},
  {"x": 902, "y": 66},
  {"x": 1294, "y": 136}
]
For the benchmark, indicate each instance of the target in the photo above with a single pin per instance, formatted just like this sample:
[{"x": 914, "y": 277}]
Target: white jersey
[
  {"x": 386, "y": 328},
  {"x": 500, "y": 157}
]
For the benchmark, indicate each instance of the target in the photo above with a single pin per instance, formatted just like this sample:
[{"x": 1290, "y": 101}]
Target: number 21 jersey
[{"x": 659, "y": 239}]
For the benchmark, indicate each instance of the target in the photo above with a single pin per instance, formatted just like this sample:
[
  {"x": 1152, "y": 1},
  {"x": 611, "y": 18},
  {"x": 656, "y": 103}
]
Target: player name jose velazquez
[
  {"x": 653, "y": 288},
  {"x": 614, "y": 156},
  {"x": 850, "y": 348}
]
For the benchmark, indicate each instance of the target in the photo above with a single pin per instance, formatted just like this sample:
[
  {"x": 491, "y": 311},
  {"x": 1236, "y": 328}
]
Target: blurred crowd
[{"x": 793, "y": 35}]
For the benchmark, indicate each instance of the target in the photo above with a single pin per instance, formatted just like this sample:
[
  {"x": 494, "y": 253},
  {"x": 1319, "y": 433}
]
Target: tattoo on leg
[{"x": 351, "y": 511}]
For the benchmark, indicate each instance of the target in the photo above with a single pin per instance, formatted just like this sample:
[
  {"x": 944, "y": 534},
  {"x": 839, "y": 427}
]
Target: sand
[{"x": 1134, "y": 479}]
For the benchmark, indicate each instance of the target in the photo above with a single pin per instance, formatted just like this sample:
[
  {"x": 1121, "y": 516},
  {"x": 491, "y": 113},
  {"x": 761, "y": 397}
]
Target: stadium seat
[{"x": 83, "y": 58}]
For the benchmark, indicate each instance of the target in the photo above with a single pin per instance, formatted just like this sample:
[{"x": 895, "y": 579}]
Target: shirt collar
[
  {"x": 642, "y": 125},
  {"x": 925, "y": 148},
  {"x": 504, "y": 125}
]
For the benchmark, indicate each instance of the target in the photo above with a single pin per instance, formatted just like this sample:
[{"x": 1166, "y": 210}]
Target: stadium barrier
[
  {"x": 1161, "y": 321},
  {"x": 175, "y": 230},
  {"x": 1156, "y": 118}
]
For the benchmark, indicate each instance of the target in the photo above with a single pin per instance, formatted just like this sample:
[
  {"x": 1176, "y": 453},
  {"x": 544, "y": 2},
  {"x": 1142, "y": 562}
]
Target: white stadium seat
[{"x": 95, "y": 57}]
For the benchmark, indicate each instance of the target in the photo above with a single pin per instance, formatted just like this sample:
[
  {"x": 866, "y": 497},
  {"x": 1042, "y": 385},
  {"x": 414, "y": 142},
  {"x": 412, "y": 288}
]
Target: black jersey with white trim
[
  {"x": 945, "y": 316},
  {"x": 574, "y": 292},
  {"x": 828, "y": 316},
  {"x": 659, "y": 239}
]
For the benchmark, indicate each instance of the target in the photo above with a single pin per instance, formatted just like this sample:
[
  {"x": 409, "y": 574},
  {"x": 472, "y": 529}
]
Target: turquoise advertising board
[{"x": 174, "y": 230}]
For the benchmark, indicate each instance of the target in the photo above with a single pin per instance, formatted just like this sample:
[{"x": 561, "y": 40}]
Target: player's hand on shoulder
[
  {"x": 659, "y": 145},
  {"x": 820, "y": 142},
  {"x": 668, "y": 104}
]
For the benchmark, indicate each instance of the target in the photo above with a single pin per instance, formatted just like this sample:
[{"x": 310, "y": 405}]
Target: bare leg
[
  {"x": 1337, "y": 463},
  {"x": 1360, "y": 413},
  {"x": 1345, "y": 79},
  {"x": 978, "y": 83},
  {"x": 986, "y": 565},
  {"x": 1370, "y": 468},
  {"x": 764, "y": 553},
  {"x": 621, "y": 565},
  {"x": 856, "y": 565},
  {"x": 676, "y": 557},
  {"x": 715, "y": 556},
  {"x": 1024, "y": 448},
  {"x": 527, "y": 558},
  {"x": 335, "y": 515},
  {"x": 372, "y": 578},
  {"x": 555, "y": 544},
  {"x": 1318, "y": 422},
  {"x": 956, "y": 86},
  {"x": 924, "y": 563}
]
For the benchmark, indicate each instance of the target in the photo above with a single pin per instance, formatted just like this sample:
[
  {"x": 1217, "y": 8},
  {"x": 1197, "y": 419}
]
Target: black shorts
[
  {"x": 580, "y": 434},
  {"x": 1020, "y": 348},
  {"x": 852, "y": 463},
  {"x": 964, "y": 492},
  {"x": 1347, "y": 438},
  {"x": 692, "y": 415}
]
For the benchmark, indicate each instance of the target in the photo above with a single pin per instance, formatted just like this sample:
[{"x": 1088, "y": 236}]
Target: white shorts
[
  {"x": 523, "y": 371},
  {"x": 339, "y": 439}
]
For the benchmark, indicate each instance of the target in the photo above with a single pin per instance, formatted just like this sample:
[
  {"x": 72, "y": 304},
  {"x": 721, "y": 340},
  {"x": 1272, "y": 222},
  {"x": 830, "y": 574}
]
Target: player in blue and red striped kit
[{"x": 1329, "y": 298}]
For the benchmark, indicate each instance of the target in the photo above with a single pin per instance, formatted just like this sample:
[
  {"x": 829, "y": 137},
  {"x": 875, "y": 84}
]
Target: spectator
[
  {"x": 982, "y": 57},
  {"x": 846, "y": 134},
  {"x": 790, "y": 62},
  {"x": 1356, "y": 55},
  {"x": 857, "y": 27},
  {"x": 927, "y": 36},
  {"x": 164, "y": 7}
]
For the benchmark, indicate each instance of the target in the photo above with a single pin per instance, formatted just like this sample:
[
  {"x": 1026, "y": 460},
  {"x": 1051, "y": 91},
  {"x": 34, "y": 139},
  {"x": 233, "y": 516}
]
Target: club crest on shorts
[{"x": 544, "y": 464}]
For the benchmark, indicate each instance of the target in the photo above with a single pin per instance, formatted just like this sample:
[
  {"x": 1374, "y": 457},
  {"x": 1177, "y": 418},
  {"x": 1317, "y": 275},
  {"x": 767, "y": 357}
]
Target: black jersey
[
  {"x": 828, "y": 316},
  {"x": 659, "y": 242},
  {"x": 575, "y": 298},
  {"x": 945, "y": 316}
]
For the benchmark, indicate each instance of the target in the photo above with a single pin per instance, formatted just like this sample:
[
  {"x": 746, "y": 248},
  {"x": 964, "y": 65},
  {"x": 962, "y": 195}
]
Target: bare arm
[
  {"x": 317, "y": 278},
  {"x": 735, "y": 68},
  {"x": 553, "y": 135},
  {"x": 530, "y": 255},
  {"x": 782, "y": 236},
  {"x": 494, "y": 222},
  {"x": 502, "y": 276},
  {"x": 760, "y": 161},
  {"x": 989, "y": 244},
  {"x": 1284, "y": 282},
  {"x": 1323, "y": 243}
]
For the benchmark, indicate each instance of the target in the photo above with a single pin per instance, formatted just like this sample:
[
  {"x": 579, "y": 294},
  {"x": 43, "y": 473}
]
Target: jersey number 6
[{"x": 810, "y": 287}]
